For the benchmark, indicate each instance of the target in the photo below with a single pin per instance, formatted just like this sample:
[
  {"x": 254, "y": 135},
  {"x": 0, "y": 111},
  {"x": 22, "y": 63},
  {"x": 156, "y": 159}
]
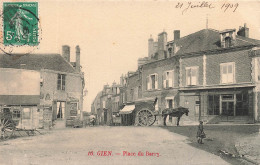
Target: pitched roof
[
  {"x": 207, "y": 39},
  {"x": 36, "y": 62}
]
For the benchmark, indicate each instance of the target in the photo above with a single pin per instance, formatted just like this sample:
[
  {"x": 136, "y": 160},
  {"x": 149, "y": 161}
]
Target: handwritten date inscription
[{"x": 185, "y": 6}]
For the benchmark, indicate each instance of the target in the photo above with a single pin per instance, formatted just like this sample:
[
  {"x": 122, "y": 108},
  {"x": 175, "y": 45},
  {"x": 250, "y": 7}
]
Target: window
[
  {"x": 242, "y": 104},
  {"x": 227, "y": 71},
  {"x": 117, "y": 90},
  {"x": 191, "y": 75},
  {"x": 104, "y": 104},
  {"x": 213, "y": 105},
  {"x": 227, "y": 42},
  {"x": 170, "y": 52},
  {"x": 170, "y": 103},
  {"x": 26, "y": 113},
  {"x": 258, "y": 68},
  {"x": 61, "y": 82},
  {"x": 16, "y": 114},
  {"x": 152, "y": 82},
  {"x": 168, "y": 79}
]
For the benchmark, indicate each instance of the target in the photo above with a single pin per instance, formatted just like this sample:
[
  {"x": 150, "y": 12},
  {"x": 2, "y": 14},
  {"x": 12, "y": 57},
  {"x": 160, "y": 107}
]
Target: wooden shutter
[
  {"x": 156, "y": 81},
  {"x": 170, "y": 79},
  {"x": 164, "y": 80},
  {"x": 148, "y": 82},
  {"x": 188, "y": 76}
]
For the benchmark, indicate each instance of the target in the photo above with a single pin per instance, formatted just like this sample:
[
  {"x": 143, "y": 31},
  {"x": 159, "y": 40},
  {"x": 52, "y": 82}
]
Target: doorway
[
  {"x": 228, "y": 108},
  {"x": 60, "y": 109}
]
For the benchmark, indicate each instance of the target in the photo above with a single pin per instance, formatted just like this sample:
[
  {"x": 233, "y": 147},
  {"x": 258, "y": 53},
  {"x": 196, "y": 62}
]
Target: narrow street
[{"x": 124, "y": 146}]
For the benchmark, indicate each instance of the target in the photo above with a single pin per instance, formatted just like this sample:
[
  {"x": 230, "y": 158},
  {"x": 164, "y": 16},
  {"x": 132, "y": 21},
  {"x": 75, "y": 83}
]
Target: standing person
[{"x": 200, "y": 133}]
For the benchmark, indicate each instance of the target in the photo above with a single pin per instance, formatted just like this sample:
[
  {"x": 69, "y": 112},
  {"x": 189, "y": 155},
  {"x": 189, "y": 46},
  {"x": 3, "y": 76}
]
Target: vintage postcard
[{"x": 124, "y": 82}]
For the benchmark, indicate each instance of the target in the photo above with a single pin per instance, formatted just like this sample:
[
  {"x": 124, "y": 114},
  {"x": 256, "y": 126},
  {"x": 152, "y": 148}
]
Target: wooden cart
[
  {"x": 8, "y": 126},
  {"x": 141, "y": 112}
]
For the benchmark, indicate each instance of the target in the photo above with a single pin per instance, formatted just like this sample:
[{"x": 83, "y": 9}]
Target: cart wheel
[
  {"x": 145, "y": 117},
  {"x": 7, "y": 128}
]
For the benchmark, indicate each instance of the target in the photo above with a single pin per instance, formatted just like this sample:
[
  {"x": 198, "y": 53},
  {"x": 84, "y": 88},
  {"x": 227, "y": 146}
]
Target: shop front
[{"x": 220, "y": 105}]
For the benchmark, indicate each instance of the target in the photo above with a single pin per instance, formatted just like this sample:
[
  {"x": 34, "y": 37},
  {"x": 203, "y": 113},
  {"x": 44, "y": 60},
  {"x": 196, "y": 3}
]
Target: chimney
[
  {"x": 176, "y": 34},
  {"x": 162, "y": 41},
  {"x": 122, "y": 80},
  {"x": 150, "y": 47},
  {"x": 77, "y": 58},
  {"x": 243, "y": 31},
  {"x": 66, "y": 52}
]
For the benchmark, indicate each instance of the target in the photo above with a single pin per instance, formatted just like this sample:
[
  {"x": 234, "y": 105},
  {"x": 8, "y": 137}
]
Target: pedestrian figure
[
  {"x": 93, "y": 121},
  {"x": 200, "y": 133}
]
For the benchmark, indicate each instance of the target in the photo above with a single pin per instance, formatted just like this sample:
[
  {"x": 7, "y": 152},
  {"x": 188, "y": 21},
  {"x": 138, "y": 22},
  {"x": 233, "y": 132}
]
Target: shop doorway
[
  {"x": 228, "y": 108},
  {"x": 60, "y": 109}
]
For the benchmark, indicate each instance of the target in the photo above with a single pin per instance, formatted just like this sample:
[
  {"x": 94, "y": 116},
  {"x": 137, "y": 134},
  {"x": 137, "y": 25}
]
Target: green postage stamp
[{"x": 20, "y": 23}]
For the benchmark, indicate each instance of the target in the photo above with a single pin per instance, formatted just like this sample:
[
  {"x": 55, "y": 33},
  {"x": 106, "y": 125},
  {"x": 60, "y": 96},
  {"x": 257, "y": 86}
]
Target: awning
[{"x": 127, "y": 109}]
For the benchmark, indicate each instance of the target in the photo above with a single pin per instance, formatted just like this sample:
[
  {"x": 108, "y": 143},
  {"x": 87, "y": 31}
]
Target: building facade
[
  {"x": 45, "y": 88},
  {"x": 215, "y": 74}
]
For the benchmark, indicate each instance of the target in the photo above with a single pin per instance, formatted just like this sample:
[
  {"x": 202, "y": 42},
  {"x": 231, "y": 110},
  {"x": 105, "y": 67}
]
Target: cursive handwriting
[
  {"x": 227, "y": 6},
  {"x": 185, "y": 6}
]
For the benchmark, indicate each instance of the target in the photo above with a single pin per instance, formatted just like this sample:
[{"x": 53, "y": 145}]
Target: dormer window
[
  {"x": 228, "y": 38},
  {"x": 170, "y": 52},
  {"x": 227, "y": 42}
]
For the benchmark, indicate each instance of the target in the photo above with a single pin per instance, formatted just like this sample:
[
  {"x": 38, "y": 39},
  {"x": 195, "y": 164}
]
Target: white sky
[{"x": 113, "y": 35}]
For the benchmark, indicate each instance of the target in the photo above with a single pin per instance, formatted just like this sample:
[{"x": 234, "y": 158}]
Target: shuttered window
[
  {"x": 152, "y": 81},
  {"x": 192, "y": 76},
  {"x": 227, "y": 71},
  {"x": 168, "y": 79}
]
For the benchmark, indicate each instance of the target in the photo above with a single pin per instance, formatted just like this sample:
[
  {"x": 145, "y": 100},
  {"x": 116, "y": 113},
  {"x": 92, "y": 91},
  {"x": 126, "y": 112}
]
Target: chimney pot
[{"x": 176, "y": 34}]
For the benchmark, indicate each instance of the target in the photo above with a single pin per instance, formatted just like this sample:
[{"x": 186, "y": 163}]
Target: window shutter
[
  {"x": 221, "y": 73},
  {"x": 171, "y": 79},
  {"x": 156, "y": 81},
  {"x": 167, "y": 103},
  {"x": 197, "y": 76},
  {"x": 164, "y": 80},
  {"x": 58, "y": 82},
  {"x": 188, "y": 76},
  {"x": 63, "y": 82},
  {"x": 147, "y": 82}
]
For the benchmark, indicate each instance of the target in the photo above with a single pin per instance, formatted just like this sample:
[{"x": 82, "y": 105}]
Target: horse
[{"x": 174, "y": 112}]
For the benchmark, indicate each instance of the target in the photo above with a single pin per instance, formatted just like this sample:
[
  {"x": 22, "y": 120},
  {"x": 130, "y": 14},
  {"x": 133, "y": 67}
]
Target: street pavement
[
  {"x": 249, "y": 147},
  {"x": 124, "y": 146}
]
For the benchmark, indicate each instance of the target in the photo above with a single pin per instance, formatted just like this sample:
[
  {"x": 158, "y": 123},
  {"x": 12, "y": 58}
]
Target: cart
[
  {"x": 144, "y": 112},
  {"x": 8, "y": 126}
]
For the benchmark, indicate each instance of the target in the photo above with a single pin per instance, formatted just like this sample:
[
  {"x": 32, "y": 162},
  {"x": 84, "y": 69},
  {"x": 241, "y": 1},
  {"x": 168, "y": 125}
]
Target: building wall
[
  {"x": 72, "y": 93},
  {"x": 242, "y": 66},
  {"x": 133, "y": 82},
  {"x": 161, "y": 93}
]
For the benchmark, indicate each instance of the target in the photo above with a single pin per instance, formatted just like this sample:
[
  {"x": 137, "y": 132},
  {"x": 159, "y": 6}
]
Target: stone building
[
  {"x": 215, "y": 74},
  {"x": 41, "y": 88}
]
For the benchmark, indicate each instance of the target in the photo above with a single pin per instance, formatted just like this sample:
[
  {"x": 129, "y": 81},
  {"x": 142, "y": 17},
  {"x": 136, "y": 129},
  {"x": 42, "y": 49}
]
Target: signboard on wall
[
  {"x": 19, "y": 82},
  {"x": 73, "y": 109}
]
